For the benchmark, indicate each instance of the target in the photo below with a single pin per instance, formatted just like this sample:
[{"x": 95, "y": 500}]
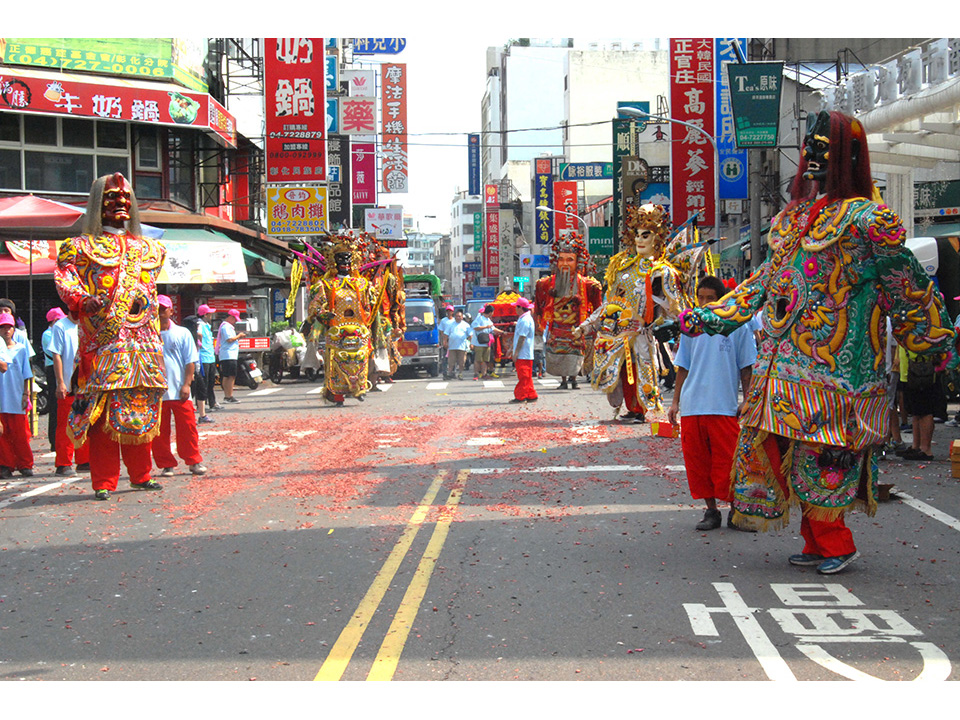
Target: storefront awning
[
  {"x": 196, "y": 257},
  {"x": 259, "y": 265}
]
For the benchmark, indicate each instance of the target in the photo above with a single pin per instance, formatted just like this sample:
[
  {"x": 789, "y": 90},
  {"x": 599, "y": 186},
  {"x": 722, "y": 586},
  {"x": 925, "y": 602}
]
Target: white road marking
[
  {"x": 675, "y": 468},
  {"x": 548, "y": 382},
  {"x": 493, "y": 384},
  {"x": 49, "y": 455},
  {"x": 929, "y": 510},
  {"x": 273, "y": 446},
  {"x": 266, "y": 391},
  {"x": 590, "y": 432},
  {"x": 300, "y": 434},
  {"x": 437, "y": 385},
  {"x": 384, "y": 386},
  {"x": 315, "y": 391},
  {"x": 38, "y": 491},
  {"x": 564, "y": 468},
  {"x": 211, "y": 433},
  {"x": 485, "y": 441}
]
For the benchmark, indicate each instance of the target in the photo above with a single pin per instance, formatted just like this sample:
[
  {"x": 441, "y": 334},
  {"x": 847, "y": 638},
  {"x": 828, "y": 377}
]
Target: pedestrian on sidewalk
[
  {"x": 206, "y": 374},
  {"x": 64, "y": 348},
  {"x": 53, "y": 314},
  {"x": 228, "y": 341},
  {"x": 180, "y": 359},
  {"x": 923, "y": 394},
  {"x": 710, "y": 368},
  {"x": 15, "y": 374},
  {"x": 458, "y": 343},
  {"x": 523, "y": 339}
]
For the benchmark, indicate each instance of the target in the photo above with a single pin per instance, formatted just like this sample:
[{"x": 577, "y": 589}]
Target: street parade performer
[
  {"x": 389, "y": 319},
  {"x": 817, "y": 405},
  {"x": 564, "y": 300},
  {"x": 342, "y": 307},
  {"x": 648, "y": 283},
  {"x": 107, "y": 276}
]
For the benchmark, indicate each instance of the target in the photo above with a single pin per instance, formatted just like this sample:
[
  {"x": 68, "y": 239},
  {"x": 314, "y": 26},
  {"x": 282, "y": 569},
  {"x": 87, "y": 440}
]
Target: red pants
[
  {"x": 15, "y": 452},
  {"x": 630, "y": 396},
  {"x": 524, "y": 389},
  {"x": 188, "y": 441},
  {"x": 709, "y": 442},
  {"x": 66, "y": 453},
  {"x": 828, "y": 538},
  {"x": 105, "y": 454}
]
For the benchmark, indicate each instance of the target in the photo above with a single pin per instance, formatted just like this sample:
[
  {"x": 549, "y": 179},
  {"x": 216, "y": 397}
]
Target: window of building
[
  {"x": 57, "y": 154},
  {"x": 148, "y": 148}
]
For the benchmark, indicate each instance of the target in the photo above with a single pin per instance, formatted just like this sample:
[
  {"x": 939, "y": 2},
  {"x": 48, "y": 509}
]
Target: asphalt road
[{"x": 437, "y": 532}]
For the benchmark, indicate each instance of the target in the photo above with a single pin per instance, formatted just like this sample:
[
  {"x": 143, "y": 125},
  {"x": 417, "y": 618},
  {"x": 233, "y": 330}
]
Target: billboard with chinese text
[
  {"x": 297, "y": 210},
  {"x": 393, "y": 115},
  {"x": 294, "y": 110}
]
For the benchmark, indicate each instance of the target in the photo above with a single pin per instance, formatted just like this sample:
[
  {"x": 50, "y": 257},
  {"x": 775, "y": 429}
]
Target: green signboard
[
  {"x": 600, "y": 241},
  {"x": 177, "y": 59},
  {"x": 478, "y": 232},
  {"x": 755, "y": 90},
  {"x": 940, "y": 198}
]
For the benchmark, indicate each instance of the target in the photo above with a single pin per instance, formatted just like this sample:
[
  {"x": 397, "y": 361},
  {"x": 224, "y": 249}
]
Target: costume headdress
[
  {"x": 642, "y": 217},
  {"x": 573, "y": 243}
]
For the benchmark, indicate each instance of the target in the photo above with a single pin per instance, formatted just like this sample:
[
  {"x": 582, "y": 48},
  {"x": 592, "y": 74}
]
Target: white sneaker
[
  {"x": 952, "y": 423},
  {"x": 198, "y": 469},
  {"x": 166, "y": 472}
]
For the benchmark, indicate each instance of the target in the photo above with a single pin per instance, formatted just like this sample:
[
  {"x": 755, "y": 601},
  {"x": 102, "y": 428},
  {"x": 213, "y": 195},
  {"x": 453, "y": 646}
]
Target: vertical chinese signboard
[
  {"x": 755, "y": 90},
  {"x": 294, "y": 110},
  {"x": 358, "y": 116},
  {"x": 364, "y": 169},
  {"x": 478, "y": 232},
  {"x": 338, "y": 166},
  {"x": 393, "y": 113},
  {"x": 296, "y": 210},
  {"x": 543, "y": 189},
  {"x": 565, "y": 200},
  {"x": 732, "y": 174},
  {"x": 692, "y": 165},
  {"x": 624, "y": 145},
  {"x": 491, "y": 248},
  {"x": 473, "y": 164}
]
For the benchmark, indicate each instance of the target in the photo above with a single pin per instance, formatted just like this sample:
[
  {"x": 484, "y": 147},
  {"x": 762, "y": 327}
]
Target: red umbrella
[{"x": 29, "y": 211}]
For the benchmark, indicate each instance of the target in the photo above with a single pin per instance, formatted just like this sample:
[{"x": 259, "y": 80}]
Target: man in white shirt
[
  {"x": 229, "y": 354},
  {"x": 63, "y": 348},
  {"x": 523, "y": 339},
  {"x": 444, "y": 326}
]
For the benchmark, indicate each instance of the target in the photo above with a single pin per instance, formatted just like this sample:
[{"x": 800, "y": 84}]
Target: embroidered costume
[
  {"x": 645, "y": 288},
  {"x": 564, "y": 300},
  {"x": 817, "y": 404}
]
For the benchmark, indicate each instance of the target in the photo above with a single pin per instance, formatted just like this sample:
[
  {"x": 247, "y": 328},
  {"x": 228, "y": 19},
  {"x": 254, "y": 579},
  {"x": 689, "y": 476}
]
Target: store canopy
[
  {"x": 30, "y": 211},
  {"x": 259, "y": 265},
  {"x": 196, "y": 256}
]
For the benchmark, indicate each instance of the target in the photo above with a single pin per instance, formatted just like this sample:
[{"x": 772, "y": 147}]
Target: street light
[
  {"x": 545, "y": 208},
  {"x": 637, "y": 112}
]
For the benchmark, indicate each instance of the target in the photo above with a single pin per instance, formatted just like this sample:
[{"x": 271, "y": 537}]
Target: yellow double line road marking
[{"x": 385, "y": 664}]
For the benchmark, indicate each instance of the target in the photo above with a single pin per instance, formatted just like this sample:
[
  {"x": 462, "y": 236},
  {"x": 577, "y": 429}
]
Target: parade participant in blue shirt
[
  {"x": 64, "y": 348},
  {"x": 15, "y": 374},
  {"x": 207, "y": 367},
  {"x": 444, "y": 327},
  {"x": 53, "y": 315},
  {"x": 229, "y": 353},
  {"x": 523, "y": 341},
  {"x": 180, "y": 361}
]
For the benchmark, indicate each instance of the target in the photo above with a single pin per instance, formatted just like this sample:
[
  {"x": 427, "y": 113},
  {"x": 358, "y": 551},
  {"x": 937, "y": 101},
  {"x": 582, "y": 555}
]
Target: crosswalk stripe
[
  {"x": 266, "y": 391},
  {"x": 315, "y": 391},
  {"x": 493, "y": 383},
  {"x": 437, "y": 386}
]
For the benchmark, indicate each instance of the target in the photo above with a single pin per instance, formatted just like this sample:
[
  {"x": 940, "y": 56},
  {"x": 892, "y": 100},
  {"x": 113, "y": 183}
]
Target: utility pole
[{"x": 754, "y": 166}]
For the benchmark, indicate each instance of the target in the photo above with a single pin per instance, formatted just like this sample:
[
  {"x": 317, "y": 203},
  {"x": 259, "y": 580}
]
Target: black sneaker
[
  {"x": 83, "y": 467},
  {"x": 65, "y": 471},
  {"x": 26, "y": 472},
  {"x": 805, "y": 559},
  {"x": 563, "y": 385},
  {"x": 835, "y": 564},
  {"x": 5, "y": 472},
  {"x": 148, "y": 485},
  {"x": 712, "y": 519},
  {"x": 574, "y": 386},
  {"x": 101, "y": 495}
]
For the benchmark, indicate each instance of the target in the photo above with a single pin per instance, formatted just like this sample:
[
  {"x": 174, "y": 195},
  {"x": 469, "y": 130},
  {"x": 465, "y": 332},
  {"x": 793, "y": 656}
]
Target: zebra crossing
[{"x": 439, "y": 386}]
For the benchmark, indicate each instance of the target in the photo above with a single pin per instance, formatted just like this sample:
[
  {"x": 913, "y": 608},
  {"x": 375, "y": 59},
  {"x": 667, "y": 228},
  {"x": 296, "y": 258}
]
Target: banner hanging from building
[
  {"x": 543, "y": 195},
  {"x": 733, "y": 161},
  {"x": 296, "y": 210},
  {"x": 338, "y": 173},
  {"x": 294, "y": 109},
  {"x": 364, "y": 172},
  {"x": 478, "y": 232},
  {"x": 473, "y": 164},
  {"x": 692, "y": 163},
  {"x": 565, "y": 200},
  {"x": 755, "y": 90},
  {"x": 393, "y": 115},
  {"x": 387, "y": 225},
  {"x": 624, "y": 145},
  {"x": 491, "y": 245},
  {"x": 358, "y": 116}
]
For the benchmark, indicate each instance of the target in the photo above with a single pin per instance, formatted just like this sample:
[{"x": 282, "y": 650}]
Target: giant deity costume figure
[
  {"x": 817, "y": 408},
  {"x": 645, "y": 289},
  {"x": 562, "y": 301},
  {"x": 107, "y": 275},
  {"x": 389, "y": 320},
  {"x": 343, "y": 308}
]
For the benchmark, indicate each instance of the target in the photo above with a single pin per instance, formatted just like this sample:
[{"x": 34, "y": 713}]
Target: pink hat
[
  {"x": 448, "y": 307},
  {"x": 6, "y": 319},
  {"x": 204, "y": 309},
  {"x": 54, "y": 314},
  {"x": 164, "y": 301},
  {"x": 524, "y": 303},
  {"x": 234, "y": 313}
]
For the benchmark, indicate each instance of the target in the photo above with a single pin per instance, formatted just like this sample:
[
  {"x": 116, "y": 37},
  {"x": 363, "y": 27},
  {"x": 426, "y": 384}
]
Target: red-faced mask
[{"x": 116, "y": 201}]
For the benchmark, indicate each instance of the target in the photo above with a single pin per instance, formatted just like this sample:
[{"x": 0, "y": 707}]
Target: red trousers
[
  {"x": 105, "y": 454},
  {"x": 188, "y": 441},
  {"x": 828, "y": 538},
  {"x": 630, "y": 396},
  {"x": 709, "y": 442},
  {"x": 524, "y": 389},
  {"x": 15, "y": 452},
  {"x": 66, "y": 453}
]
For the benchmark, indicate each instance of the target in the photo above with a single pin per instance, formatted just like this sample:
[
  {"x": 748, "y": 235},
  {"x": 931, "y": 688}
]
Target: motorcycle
[{"x": 248, "y": 374}]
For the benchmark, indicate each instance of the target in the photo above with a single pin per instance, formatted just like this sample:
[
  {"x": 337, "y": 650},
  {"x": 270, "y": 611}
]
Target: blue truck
[{"x": 421, "y": 341}]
